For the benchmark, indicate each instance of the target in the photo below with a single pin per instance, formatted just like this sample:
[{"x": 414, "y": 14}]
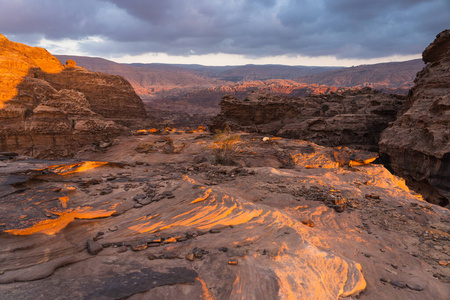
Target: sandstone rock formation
[
  {"x": 47, "y": 109},
  {"x": 352, "y": 118},
  {"x": 418, "y": 143},
  {"x": 172, "y": 225}
]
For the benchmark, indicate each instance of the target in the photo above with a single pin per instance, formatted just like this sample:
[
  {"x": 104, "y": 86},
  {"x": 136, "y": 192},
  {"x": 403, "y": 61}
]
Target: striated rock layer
[
  {"x": 418, "y": 142},
  {"x": 287, "y": 222},
  {"x": 47, "y": 109},
  {"x": 353, "y": 118}
]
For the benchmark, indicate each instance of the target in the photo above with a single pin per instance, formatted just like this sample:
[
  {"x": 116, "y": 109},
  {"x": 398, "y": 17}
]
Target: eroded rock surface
[
  {"x": 418, "y": 142},
  {"x": 203, "y": 230},
  {"x": 353, "y": 118},
  {"x": 51, "y": 110}
]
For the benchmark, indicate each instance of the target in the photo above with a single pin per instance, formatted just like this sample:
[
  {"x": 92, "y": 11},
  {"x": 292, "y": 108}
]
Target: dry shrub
[{"x": 225, "y": 145}]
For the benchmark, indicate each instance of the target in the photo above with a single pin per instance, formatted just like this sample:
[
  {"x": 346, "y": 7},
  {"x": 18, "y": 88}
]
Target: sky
[{"x": 229, "y": 32}]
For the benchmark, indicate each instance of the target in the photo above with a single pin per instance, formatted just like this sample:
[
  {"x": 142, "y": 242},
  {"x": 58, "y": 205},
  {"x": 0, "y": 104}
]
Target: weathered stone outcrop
[
  {"x": 418, "y": 142},
  {"x": 110, "y": 96},
  {"x": 353, "y": 118},
  {"x": 50, "y": 110}
]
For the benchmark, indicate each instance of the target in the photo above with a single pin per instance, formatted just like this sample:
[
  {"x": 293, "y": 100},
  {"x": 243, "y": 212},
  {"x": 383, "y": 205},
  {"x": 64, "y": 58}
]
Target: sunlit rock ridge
[{"x": 48, "y": 109}]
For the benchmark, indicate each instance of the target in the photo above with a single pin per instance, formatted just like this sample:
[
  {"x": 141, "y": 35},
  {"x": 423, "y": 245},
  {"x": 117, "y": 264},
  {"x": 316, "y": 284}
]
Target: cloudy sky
[{"x": 229, "y": 32}]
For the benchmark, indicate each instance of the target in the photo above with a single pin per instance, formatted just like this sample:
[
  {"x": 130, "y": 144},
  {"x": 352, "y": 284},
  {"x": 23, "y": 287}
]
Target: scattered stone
[
  {"x": 139, "y": 246},
  {"x": 308, "y": 222},
  {"x": 93, "y": 248},
  {"x": 106, "y": 191},
  {"x": 371, "y": 196},
  {"x": 339, "y": 208},
  {"x": 169, "y": 255},
  {"x": 112, "y": 229},
  {"x": 190, "y": 256},
  {"x": 233, "y": 262},
  {"x": 152, "y": 257},
  {"x": 170, "y": 240},
  {"x": 223, "y": 249},
  {"x": 139, "y": 197},
  {"x": 399, "y": 284},
  {"x": 443, "y": 262},
  {"x": 122, "y": 249},
  {"x": 145, "y": 201},
  {"x": 382, "y": 279},
  {"x": 198, "y": 253},
  {"x": 154, "y": 244},
  {"x": 98, "y": 238},
  {"x": 414, "y": 287},
  {"x": 367, "y": 255},
  {"x": 106, "y": 245},
  {"x": 214, "y": 231},
  {"x": 138, "y": 205}
]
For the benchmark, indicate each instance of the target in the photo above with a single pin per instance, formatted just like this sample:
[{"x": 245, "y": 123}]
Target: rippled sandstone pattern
[{"x": 291, "y": 220}]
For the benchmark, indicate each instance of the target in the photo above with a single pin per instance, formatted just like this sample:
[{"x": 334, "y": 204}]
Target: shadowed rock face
[
  {"x": 110, "y": 96},
  {"x": 51, "y": 110},
  {"x": 418, "y": 143},
  {"x": 354, "y": 119}
]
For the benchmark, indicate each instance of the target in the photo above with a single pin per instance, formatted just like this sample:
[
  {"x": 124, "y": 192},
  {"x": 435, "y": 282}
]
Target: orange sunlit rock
[
  {"x": 16, "y": 60},
  {"x": 188, "y": 179},
  {"x": 206, "y": 292},
  {"x": 52, "y": 226},
  {"x": 204, "y": 197},
  {"x": 68, "y": 169},
  {"x": 64, "y": 201},
  {"x": 213, "y": 213}
]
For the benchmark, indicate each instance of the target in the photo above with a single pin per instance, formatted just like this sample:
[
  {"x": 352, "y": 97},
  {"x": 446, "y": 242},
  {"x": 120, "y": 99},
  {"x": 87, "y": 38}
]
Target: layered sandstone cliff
[
  {"x": 418, "y": 143},
  {"x": 352, "y": 118},
  {"x": 47, "y": 109}
]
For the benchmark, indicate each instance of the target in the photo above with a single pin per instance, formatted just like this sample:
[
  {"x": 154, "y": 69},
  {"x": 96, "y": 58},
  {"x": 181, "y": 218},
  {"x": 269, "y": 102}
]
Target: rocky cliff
[
  {"x": 351, "y": 118},
  {"x": 48, "y": 110},
  {"x": 418, "y": 142}
]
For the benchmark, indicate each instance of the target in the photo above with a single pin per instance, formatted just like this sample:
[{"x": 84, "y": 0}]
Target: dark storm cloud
[{"x": 346, "y": 29}]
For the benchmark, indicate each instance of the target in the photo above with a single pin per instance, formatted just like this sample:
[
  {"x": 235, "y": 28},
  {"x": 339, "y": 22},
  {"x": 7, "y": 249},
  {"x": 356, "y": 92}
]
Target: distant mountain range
[
  {"x": 150, "y": 79},
  {"x": 385, "y": 76}
]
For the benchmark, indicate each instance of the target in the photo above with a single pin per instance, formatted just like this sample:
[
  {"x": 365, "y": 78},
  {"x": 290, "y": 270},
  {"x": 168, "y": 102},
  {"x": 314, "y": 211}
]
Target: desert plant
[{"x": 225, "y": 144}]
